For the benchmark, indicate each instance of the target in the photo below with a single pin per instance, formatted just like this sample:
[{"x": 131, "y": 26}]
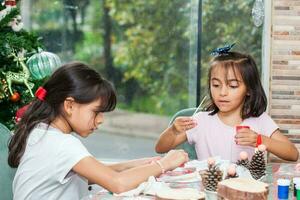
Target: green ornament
[{"x": 42, "y": 64}]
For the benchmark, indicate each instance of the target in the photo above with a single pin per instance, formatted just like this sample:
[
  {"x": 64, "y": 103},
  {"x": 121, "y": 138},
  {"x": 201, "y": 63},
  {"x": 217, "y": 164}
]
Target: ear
[{"x": 69, "y": 105}]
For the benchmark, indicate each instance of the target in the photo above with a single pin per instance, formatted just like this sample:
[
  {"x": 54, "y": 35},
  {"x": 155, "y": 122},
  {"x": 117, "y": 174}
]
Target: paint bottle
[
  {"x": 296, "y": 180},
  {"x": 283, "y": 188},
  {"x": 297, "y": 191}
]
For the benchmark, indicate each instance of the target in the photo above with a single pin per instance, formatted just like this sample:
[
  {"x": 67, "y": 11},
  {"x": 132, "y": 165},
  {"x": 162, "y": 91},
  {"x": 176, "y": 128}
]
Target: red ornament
[
  {"x": 20, "y": 112},
  {"x": 10, "y": 3},
  {"x": 15, "y": 97}
]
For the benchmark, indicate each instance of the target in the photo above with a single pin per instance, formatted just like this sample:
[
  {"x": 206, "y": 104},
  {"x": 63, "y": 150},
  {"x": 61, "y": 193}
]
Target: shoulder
[
  {"x": 70, "y": 140},
  {"x": 264, "y": 117},
  {"x": 53, "y": 136}
]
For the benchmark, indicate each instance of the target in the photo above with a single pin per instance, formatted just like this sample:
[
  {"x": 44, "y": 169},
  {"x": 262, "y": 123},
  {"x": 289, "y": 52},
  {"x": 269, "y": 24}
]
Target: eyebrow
[
  {"x": 98, "y": 108},
  {"x": 229, "y": 80}
]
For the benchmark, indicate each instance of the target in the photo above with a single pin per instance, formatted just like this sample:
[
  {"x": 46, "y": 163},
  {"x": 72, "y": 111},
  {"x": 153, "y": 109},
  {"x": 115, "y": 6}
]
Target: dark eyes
[
  {"x": 231, "y": 86},
  {"x": 96, "y": 112}
]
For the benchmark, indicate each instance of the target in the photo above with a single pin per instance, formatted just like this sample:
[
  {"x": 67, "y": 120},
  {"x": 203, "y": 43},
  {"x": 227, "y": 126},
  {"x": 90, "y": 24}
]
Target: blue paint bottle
[{"x": 283, "y": 188}]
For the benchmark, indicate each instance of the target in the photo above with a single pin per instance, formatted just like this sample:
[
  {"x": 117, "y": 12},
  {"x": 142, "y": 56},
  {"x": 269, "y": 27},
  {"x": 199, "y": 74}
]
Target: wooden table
[{"x": 270, "y": 179}]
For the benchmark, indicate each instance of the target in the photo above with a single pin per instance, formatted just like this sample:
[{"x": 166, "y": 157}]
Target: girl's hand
[
  {"x": 246, "y": 137},
  {"x": 174, "y": 158},
  {"x": 182, "y": 124},
  {"x": 151, "y": 159}
]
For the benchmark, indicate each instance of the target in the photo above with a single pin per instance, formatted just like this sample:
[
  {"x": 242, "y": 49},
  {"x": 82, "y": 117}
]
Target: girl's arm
[
  {"x": 281, "y": 146},
  {"x": 132, "y": 163},
  {"x": 175, "y": 134},
  {"x": 278, "y": 144},
  {"x": 119, "y": 182}
]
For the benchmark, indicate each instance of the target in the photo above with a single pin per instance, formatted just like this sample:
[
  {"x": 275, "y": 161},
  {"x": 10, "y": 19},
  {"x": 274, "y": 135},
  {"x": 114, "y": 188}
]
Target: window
[
  {"x": 228, "y": 22},
  {"x": 146, "y": 48},
  {"x": 149, "y": 50}
]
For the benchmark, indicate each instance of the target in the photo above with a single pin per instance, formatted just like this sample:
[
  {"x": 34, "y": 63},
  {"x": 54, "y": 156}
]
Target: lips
[{"x": 223, "y": 101}]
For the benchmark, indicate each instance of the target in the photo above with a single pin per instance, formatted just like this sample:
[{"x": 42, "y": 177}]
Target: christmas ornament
[
  {"x": 243, "y": 161},
  {"x": 16, "y": 23},
  {"x": 3, "y": 89},
  {"x": 258, "y": 13},
  {"x": 212, "y": 176},
  {"x": 19, "y": 77},
  {"x": 15, "y": 97},
  {"x": 9, "y": 5},
  {"x": 20, "y": 112},
  {"x": 257, "y": 165},
  {"x": 231, "y": 172},
  {"x": 42, "y": 64}
]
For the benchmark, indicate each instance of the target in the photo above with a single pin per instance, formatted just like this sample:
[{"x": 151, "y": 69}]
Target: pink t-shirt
[{"x": 214, "y": 138}]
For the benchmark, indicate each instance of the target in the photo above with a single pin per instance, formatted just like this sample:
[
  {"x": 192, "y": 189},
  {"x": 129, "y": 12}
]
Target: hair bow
[{"x": 222, "y": 50}]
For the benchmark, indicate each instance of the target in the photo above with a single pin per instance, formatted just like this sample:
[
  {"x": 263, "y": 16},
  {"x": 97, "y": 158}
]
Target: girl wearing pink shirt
[{"x": 237, "y": 99}]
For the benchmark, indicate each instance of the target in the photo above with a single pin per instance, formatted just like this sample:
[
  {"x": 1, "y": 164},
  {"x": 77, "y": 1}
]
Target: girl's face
[
  {"x": 227, "y": 89},
  {"x": 86, "y": 118}
]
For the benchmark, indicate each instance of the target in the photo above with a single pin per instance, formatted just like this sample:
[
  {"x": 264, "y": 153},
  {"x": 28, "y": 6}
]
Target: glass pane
[
  {"x": 147, "y": 48},
  {"x": 227, "y": 22}
]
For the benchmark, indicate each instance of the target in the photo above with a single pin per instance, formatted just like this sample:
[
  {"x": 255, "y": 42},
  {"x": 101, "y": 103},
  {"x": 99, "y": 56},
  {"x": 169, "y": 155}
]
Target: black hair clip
[{"x": 222, "y": 50}]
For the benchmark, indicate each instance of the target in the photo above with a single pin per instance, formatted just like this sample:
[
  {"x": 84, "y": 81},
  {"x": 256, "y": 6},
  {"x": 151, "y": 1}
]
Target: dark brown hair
[
  {"x": 255, "y": 101},
  {"x": 75, "y": 80}
]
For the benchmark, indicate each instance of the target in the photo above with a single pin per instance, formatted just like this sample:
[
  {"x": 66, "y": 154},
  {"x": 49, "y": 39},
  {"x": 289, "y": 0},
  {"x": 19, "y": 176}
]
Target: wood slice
[
  {"x": 179, "y": 194},
  {"x": 242, "y": 188}
]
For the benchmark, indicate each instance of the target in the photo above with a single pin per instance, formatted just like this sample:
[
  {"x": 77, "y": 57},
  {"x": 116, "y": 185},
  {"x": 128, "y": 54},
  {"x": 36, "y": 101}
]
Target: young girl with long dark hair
[{"x": 52, "y": 163}]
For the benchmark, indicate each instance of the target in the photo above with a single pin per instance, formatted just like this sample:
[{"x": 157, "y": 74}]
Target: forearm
[
  {"x": 113, "y": 181},
  {"x": 128, "y": 164},
  {"x": 166, "y": 140},
  {"x": 283, "y": 149},
  {"x": 131, "y": 178}
]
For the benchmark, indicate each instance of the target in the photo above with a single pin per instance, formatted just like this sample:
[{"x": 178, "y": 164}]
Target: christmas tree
[{"x": 22, "y": 64}]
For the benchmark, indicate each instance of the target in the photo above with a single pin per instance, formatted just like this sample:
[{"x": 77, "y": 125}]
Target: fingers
[
  {"x": 185, "y": 123},
  {"x": 245, "y": 140},
  {"x": 185, "y": 155}
]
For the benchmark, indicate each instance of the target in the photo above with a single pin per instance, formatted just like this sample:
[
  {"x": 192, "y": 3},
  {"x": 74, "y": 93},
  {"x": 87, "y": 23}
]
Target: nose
[
  {"x": 99, "y": 119},
  {"x": 224, "y": 90}
]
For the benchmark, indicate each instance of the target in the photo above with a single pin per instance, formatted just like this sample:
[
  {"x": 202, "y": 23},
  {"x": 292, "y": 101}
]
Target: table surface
[{"x": 97, "y": 194}]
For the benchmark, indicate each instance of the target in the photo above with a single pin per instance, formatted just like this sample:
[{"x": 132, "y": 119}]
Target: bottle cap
[
  {"x": 296, "y": 180},
  {"x": 283, "y": 182}
]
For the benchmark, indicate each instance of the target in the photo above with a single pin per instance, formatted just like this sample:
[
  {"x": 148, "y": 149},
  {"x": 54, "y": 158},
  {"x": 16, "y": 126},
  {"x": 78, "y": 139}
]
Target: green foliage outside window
[{"x": 143, "y": 46}]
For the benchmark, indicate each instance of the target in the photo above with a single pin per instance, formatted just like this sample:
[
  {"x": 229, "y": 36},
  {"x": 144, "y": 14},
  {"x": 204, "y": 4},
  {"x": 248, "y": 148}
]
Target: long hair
[
  {"x": 75, "y": 80},
  {"x": 255, "y": 101}
]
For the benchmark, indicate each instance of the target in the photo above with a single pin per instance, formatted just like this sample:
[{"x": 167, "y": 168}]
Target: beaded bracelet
[{"x": 161, "y": 166}]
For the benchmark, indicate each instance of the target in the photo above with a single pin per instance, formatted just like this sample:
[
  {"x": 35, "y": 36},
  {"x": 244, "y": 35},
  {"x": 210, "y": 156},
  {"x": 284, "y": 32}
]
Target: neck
[
  {"x": 62, "y": 124},
  {"x": 232, "y": 118}
]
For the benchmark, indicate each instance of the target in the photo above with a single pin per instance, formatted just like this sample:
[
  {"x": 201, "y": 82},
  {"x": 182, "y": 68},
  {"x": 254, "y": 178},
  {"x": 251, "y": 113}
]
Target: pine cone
[
  {"x": 244, "y": 163},
  {"x": 257, "y": 165},
  {"x": 211, "y": 178}
]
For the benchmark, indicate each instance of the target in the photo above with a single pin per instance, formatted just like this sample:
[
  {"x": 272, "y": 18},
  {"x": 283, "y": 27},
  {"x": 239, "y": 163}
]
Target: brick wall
[{"x": 284, "y": 97}]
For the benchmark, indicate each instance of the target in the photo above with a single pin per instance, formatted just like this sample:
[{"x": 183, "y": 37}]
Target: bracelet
[
  {"x": 161, "y": 166},
  {"x": 258, "y": 140}
]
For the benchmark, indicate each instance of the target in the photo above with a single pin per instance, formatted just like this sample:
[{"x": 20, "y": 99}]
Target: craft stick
[{"x": 199, "y": 105}]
